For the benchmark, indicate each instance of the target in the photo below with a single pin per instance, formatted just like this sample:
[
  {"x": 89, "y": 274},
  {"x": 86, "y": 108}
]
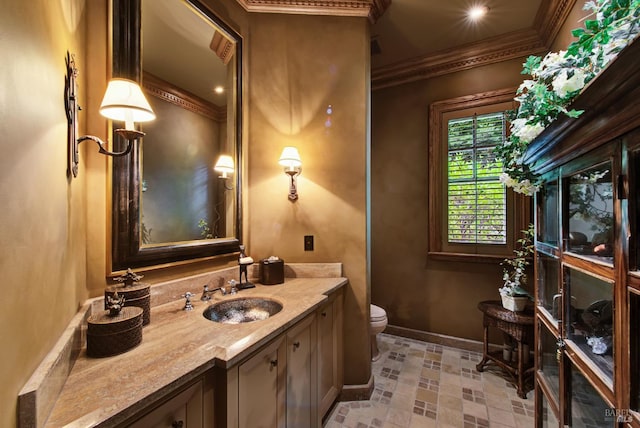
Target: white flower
[
  {"x": 507, "y": 180},
  {"x": 551, "y": 63},
  {"x": 517, "y": 125},
  {"x": 525, "y": 187},
  {"x": 553, "y": 59},
  {"x": 526, "y": 85},
  {"x": 563, "y": 85},
  {"x": 528, "y": 132}
]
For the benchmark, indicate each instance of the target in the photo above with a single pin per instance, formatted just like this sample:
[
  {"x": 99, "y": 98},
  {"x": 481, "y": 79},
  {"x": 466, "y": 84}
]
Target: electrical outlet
[{"x": 308, "y": 242}]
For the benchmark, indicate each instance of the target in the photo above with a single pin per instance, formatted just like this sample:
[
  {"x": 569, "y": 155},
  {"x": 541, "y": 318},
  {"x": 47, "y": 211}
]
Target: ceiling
[
  {"x": 419, "y": 39},
  {"x": 411, "y": 29},
  {"x": 411, "y": 39},
  {"x": 177, "y": 49}
]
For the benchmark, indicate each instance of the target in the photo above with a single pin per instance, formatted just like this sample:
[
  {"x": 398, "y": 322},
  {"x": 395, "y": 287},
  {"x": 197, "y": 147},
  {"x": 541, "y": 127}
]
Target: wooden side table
[{"x": 516, "y": 325}]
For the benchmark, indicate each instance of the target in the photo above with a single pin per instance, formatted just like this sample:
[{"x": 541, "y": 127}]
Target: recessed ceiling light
[
  {"x": 477, "y": 12},
  {"x": 218, "y": 89}
]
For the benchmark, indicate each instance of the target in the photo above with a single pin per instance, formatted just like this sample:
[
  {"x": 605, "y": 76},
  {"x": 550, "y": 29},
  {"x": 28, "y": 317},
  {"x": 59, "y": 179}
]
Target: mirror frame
[{"x": 127, "y": 250}]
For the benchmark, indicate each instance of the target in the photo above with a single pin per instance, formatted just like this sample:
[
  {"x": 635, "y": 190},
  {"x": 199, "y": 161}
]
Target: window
[
  {"x": 476, "y": 200},
  {"x": 472, "y": 216}
]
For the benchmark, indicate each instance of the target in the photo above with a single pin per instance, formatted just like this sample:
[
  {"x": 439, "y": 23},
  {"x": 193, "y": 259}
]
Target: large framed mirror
[{"x": 169, "y": 204}]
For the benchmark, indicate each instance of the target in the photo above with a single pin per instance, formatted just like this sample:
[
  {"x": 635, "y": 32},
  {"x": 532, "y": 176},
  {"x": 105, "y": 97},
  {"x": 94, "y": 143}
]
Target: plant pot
[{"x": 514, "y": 303}]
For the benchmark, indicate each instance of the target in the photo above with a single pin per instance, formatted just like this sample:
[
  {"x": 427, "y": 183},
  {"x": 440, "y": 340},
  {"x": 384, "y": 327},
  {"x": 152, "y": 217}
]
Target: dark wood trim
[
  {"x": 607, "y": 132},
  {"x": 518, "y": 218},
  {"x": 127, "y": 250}
]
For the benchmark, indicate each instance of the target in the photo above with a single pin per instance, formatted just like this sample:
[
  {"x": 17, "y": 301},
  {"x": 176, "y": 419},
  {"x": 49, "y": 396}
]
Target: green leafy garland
[{"x": 557, "y": 79}]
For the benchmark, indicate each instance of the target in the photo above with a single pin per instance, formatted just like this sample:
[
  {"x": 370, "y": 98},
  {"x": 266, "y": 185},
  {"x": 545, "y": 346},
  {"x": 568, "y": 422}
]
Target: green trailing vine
[{"x": 557, "y": 79}]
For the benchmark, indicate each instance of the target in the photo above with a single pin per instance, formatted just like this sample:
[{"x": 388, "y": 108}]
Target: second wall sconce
[
  {"x": 123, "y": 101},
  {"x": 290, "y": 159},
  {"x": 224, "y": 166}
]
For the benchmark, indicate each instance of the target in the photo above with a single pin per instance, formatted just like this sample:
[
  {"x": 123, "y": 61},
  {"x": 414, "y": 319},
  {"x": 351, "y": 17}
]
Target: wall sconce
[
  {"x": 290, "y": 159},
  {"x": 224, "y": 166},
  {"x": 123, "y": 101}
]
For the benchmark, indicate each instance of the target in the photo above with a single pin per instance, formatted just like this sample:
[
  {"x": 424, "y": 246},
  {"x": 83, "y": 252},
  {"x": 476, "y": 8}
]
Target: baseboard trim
[
  {"x": 357, "y": 392},
  {"x": 440, "y": 339}
]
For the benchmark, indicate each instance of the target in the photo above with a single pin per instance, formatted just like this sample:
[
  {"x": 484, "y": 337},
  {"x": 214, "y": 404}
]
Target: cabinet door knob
[
  {"x": 296, "y": 345},
  {"x": 324, "y": 313},
  {"x": 274, "y": 363},
  {"x": 177, "y": 424}
]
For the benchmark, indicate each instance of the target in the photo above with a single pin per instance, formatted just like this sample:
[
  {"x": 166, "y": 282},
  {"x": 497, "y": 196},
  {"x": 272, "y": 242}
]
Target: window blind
[{"x": 476, "y": 200}]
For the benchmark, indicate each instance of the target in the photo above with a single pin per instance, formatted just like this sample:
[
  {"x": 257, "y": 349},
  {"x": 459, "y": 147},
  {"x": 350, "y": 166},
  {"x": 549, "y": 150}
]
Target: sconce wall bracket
[
  {"x": 72, "y": 108},
  {"x": 293, "y": 184}
]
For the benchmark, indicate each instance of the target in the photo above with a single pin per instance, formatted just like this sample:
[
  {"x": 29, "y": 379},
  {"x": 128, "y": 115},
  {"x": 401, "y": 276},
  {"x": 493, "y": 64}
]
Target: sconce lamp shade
[
  {"x": 224, "y": 165},
  {"x": 290, "y": 158},
  {"x": 124, "y": 101}
]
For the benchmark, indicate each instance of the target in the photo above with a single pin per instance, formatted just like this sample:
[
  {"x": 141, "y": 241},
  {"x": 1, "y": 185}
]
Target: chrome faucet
[{"x": 206, "y": 293}]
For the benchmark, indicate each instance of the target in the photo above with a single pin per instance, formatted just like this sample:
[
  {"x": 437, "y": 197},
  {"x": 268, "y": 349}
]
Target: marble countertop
[{"x": 177, "y": 346}]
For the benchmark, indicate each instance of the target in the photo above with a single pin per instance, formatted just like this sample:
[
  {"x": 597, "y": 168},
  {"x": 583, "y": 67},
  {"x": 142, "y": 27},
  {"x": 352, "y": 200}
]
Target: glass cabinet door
[
  {"x": 548, "y": 418},
  {"x": 634, "y": 319},
  {"x": 590, "y": 213},
  {"x": 549, "y": 297},
  {"x": 549, "y": 363},
  {"x": 588, "y": 408},
  {"x": 547, "y": 220},
  {"x": 589, "y": 321}
]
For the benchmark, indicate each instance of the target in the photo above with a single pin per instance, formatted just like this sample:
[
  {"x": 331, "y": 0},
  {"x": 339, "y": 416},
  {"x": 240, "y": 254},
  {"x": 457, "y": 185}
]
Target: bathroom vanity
[{"x": 189, "y": 371}]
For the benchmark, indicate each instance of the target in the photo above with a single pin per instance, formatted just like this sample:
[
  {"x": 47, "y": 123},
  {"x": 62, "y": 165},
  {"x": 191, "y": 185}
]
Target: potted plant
[{"x": 514, "y": 297}]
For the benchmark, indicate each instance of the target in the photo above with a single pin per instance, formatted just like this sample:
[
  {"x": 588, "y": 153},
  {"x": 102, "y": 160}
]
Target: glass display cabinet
[{"x": 587, "y": 256}]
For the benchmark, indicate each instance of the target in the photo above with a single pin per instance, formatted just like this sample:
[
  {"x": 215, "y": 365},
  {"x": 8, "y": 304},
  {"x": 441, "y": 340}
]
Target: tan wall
[
  {"x": 296, "y": 70},
  {"x": 54, "y": 231},
  {"x": 43, "y": 220},
  {"x": 418, "y": 293}
]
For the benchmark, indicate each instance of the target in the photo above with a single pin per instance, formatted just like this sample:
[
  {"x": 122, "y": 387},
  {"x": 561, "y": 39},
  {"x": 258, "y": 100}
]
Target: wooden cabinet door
[
  {"x": 261, "y": 388},
  {"x": 184, "y": 410},
  {"x": 330, "y": 361},
  {"x": 301, "y": 375}
]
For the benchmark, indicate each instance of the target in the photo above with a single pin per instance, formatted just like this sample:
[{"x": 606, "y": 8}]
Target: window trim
[{"x": 518, "y": 206}]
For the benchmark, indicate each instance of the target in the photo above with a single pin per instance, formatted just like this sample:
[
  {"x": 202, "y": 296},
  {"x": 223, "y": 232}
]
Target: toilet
[{"x": 378, "y": 324}]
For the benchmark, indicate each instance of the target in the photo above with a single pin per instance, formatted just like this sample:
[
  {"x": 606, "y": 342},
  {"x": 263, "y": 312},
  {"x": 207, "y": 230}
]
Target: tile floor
[{"x": 420, "y": 384}]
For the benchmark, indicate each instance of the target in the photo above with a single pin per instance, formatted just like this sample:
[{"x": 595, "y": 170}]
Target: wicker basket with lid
[
  {"x": 135, "y": 293},
  {"x": 110, "y": 335}
]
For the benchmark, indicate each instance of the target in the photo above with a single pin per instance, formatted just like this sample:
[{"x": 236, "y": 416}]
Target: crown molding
[
  {"x": 535, "y": 41},
  {"x": 489, "y": 51},
  {"x": 170, "y": 93},
  {"x": 372, "y": 9},
  {"x": 550, "y": 18}
]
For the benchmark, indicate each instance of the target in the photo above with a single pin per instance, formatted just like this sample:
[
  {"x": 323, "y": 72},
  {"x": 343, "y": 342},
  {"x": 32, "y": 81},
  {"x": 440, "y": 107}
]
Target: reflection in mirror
[
  {"x": 182, "y": 198},
  {"x": 169, "y": 203}
]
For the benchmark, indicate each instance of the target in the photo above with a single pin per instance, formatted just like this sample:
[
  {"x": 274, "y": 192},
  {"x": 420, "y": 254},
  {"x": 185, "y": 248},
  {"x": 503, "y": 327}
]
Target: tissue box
[{"x": 271, "y": 271}]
